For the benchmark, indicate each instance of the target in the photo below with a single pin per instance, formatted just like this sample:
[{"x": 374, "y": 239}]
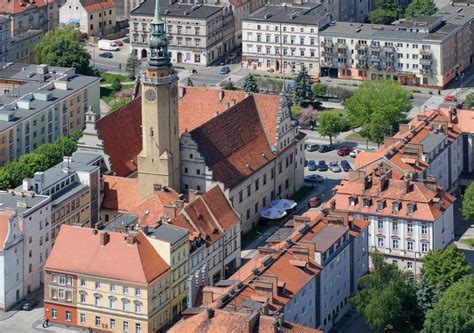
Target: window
[
  {"x": 409, "y": 227},
  {"x": 395, "y": 207},
  {"x": 410, "y": 246},
  {"x": 366, "y": 203},
  {"x": 97, "y": 285},
  {"x": 424, "y": 229},
  {"x": 248, "y": 190},
  {"x": 112, "y": 303},
  {"x": 68, "y": 296},
  {"x": 380, "y": 223},
  {"x": 96, "y": 300},
  {"x": 395, "y": 243},
  {"x": 138, "y": 328},
  {"x": 410, "y": 209},
  {"x": 409, "y": 265},
  {"x": 257, "y": 184},
  {"x": 241, "y": 196},
  {"x": 395, "y": 226},
  {"x": 82, "y": 318},
  {"x": 379, "y": 205},
  {"x": 137, "y": 291},
  {"x": 61, "y": 293},
  {"x": 125, "y": 289},
  {"x": 69, "y": 280},
  {"x": 125, "y": 305},
  {"x": 112, "y": 288},
  {"x": 83, "y": 298},
  {"x": 138, "y": 307},
  {"x": 380, "y": 242},
  {"x": 54, "y": 313},
  {"x": 112, "y": 323},
  {"x": 97, "y": 321},
  {"x": 55, "y": 278},
  {"x": 67, "y": 315},
  {"x": 125, "y": 326},
  {"x": 424, "y": 247},
  {"x": 62, "y": 280}
]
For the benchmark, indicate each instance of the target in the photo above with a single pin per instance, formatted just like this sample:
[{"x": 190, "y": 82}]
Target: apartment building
[
  {"x": 173, "y": 246},
  {"x": 4, "y": 38},
  {"x": 408, "y": 218},
  {"x": 74, "y": 187},
  {"x": 434, "y": 143},
  {"x": 92, "y": 17},
  {"x": 305, "y": 277},
  {"x": 283, "y": 38},
  {"x": 197, "y": 34},
  {"x": 34, "y": 219},
  {"x": 22, "y": 46},
  {"x": 11, "y": 259},
  {"x": 120, "y": 283},
  {"x": 26, "y": 15},
  {"x": 427, "y": 51},
  {"x": 41, "y": 104}
]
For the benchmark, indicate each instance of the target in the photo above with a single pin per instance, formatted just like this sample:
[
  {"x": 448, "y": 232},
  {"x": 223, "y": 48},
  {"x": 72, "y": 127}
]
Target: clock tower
[{"x": 158, "y": 162}]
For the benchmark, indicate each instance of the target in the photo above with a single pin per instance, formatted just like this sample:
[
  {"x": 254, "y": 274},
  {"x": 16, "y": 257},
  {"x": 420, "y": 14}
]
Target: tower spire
[{"x": 158, "y": 43}]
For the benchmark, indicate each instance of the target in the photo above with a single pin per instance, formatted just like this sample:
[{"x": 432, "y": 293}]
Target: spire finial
[{"x": 157, "y": 18}]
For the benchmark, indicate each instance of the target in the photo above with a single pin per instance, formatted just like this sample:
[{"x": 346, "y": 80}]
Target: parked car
[
  {"x": 324, "y": 149},
  {"x": 225, "y": 70},
  {"x": 28, "y": 306},
  {"x": 305, "y": 162},
  {"x": 107, "y": 55},
  {"x": 314, "y": 202},
  {"x": 344, "y": 151},
  {"x": 108, "y": 45},
  {"x": 312, "y": 147},
  {"x": 334, "y": 166},
  {"x": 322, "y": 166},
  {"x": 450, "y": 98},
  {"x": 314, "y": 179},
  {"x": 119, "y": 42},
  {"x": 354, "y": 153},
  {"x": 126, "y": 40},
  {"x": 345, "y": 166},
  {"x": 312, "y": 165}
]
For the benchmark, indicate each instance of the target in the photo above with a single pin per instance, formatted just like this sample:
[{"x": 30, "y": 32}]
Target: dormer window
[
  {"x": 379, "y": 205},
  {"x": 366, "y": 203},
  {"x": 352, "y": 201},
  {"x": 410, "y": 208},
  {"x": 395, "y": 207}
]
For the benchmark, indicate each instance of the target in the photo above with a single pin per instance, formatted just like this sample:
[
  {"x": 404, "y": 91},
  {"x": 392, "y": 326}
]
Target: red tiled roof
[
  {"x": 18, "y": 6},
  {"x": 121, "y": 129},
  {"x": 150, "y": 210},
  {"x": 117, "y": 259},
  {"x": 120, "y": 193},
  {"x": 220, "y": 208},
  {"x": 96, "y": 5},
  {"x": 5, "y": 216}
]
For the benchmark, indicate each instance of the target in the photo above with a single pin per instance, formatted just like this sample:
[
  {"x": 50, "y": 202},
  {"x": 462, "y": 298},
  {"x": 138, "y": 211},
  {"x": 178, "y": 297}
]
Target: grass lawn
[
  {"x": 302, "y": 193},
  {"x": 253, "y": 234},
  {"x": 468, "y": 241},
  {"x": 108, "y": 78},
  {"x": 107, "y": 94},
  {"x": 355, "y": 137}
]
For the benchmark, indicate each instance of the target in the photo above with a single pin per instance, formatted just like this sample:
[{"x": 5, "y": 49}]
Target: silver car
[{"x": 334, "y": 166}]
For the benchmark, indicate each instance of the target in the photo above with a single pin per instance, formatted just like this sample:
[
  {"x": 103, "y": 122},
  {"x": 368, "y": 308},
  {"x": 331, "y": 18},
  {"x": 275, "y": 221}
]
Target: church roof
[{"x": 207, "y": 108}]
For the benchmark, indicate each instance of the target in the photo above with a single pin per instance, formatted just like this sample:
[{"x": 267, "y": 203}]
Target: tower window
[{"x": 152, "y": 132}]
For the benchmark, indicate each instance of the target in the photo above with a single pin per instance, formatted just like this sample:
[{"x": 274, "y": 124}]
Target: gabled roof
[
  {"x": 120, "y": 193},
  {"x": 96, "y": 5},
  {"x": 151, "y": 210},
  {"x": 78, "y": 250},
  {"x": 18, "y": 6}
]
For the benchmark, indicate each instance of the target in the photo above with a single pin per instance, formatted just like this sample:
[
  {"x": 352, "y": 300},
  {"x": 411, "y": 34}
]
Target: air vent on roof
[
  {"x": 358, "y": 29},
  {"x": 167, "y": 11},
  {"x": 293, "y": 15},
  {"x": 196, "y": 6},
  {"x": 267, "y": 16},
  {"x": 187, "y": 12}
]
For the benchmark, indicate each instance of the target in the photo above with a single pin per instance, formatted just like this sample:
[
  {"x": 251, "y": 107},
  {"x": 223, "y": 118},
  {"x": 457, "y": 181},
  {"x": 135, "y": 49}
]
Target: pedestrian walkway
[{"x": 104, "y": 108}]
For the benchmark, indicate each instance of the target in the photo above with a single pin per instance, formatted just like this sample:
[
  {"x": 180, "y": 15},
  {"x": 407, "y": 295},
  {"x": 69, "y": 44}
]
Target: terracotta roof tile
[
  {"x": 96, "y": 5},
  {"x": 221, "y": 208},
  {"x": 19, "y": 6},
  {"x": 5, "y": 216},
  {"x": 150, "y": 210},
  {"x": 120, "y": 193},
  {"x": 136, "y": 263}
]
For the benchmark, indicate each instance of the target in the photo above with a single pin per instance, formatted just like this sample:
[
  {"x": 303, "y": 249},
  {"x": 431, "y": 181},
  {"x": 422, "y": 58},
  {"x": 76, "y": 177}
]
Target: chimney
[
  {"x": 251, "y": 322},
  {"x": 431, "y": 183},
  {"x": 156, "y": 188},
  {"x": 221, "y": 95},
  {"x": 26, "y": 184},
  {"x": 144, "y": 229},
  {"x": 66, "y": 163},
  {"x": 302, "y": 253},
  {"x": 192, "y": 195},
  {"x": 300, "y": 221},
  {"x": 181, "y": 91},
  {"x": 104, "y": 238},
  {"x": 271, "y": 279},
  {"x": 383, "y": 182},
  {"x": 207, "y": 296},
  {"x": 367, "y": 182},
  {"x": 94, "y": 232},
  {"x": 210, "y": 313},
  {"x": 179, "y": 204},
  {"x": 130, "y": 239},
  {"x": 332, "y": 204},
  {"x": 169, "y": 211},
  {"x": 452, "y": 114}
]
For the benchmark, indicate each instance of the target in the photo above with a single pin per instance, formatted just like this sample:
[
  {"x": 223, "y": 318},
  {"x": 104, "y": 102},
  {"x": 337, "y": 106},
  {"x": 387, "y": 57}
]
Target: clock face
[
  {"x": 150, "y": 95},
  {"x": 174, "y": 90}
]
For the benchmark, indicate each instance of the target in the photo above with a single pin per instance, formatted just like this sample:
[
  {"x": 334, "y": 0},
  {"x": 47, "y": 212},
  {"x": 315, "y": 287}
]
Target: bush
[
  {"x": 116, "y": 84},
  {"x": 227, "y": 85}
]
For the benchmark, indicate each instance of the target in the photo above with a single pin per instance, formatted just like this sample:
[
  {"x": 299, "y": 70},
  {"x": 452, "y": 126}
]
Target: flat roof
[
  {"x": 289, "y": 14},
  {"x": 431, "y": 141},
  {"x": 197, "y": 11},
  {"x": 453, "y": 19},
  {"x": 122, "y": 221},
  {"x": 19, "y": 203},
  {"x": 167, "y": 233},
  {"x": 328, "y": 236}
]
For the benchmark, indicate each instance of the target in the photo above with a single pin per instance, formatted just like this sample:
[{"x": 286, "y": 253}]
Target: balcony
[
  {"x": 341, "y": 46},
  {"x": 327, "y": 51},
  {"x": 341, "y": 54},
  {"x": 361, "y": 56},
  {"x": 375, "y": 47},
  {"x": 425, "y": 52},
  {"x": 361, "y": 46},
  {"x": 389, "y": 48},
  {"x": 426, "y": 71},
  {"x": 327, "y": 43},
  {"x": 375, "y": 57},
  {"x": 426, "y": 61}
]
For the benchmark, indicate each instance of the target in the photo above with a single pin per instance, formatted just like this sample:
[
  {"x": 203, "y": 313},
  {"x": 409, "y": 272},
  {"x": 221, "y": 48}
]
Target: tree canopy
[
  {"x": 468, "y": 203},
  {"x": 387, "y": 298},
  {"x": 376, "y": 106},
  {"x": 469, "y": 102},
  {"x": 330, "y": 125},
  {"x": 250, "y": 84},
  {"x": 442, "y": 268},
  {"x": 387, "y": 11},
  {"x": 303, "y": 91},
  {"x": 319, "y": 89},
  {"x": 44, "y": 157},
  {"x": 455, "y": 310},
  {"x": 132, "y": 65},
  {"x": 418, "y": 8},
  {"x": 61, "y": 47}
]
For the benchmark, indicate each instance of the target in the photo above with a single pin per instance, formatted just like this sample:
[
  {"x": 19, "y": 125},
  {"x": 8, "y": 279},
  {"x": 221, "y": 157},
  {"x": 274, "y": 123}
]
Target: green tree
[
  {"x": 34, "y": 161},
  {"x": 119, "y": 103},
  {"x": 303, "y": 92},
  {"x": 189, "y": 82},
  {"x": 376, "y": 106},
  {"x": 133, "y": 63},
  {"x": 468, "y": 203},
  {"x": 319, "y": 89},
  {"x": 61, "y": 47},
  {"x": 227, "y": 85},
  {"x": 469, "y": 102},
  {"x": 418, "y": 8},
  {"x": 116, "y": 84},
  {"x": 426, "y": 296},
  {"x": 442, "y": 268},
  {"x": 387, "y": 298},
  {"x": 330, "y": 125},
  {"x": 51, "y": 152},
  {"x": 387, "y": 11},
  {"x": 250, "y": 84},
  {"x": 455, "y": 310}
]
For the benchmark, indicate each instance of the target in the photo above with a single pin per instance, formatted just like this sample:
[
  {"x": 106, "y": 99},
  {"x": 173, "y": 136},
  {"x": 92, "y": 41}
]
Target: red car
[
  {"x": 344, "y": 151},
  {"x": 119, "y": 42},
  {"x": 450, "y": 98},
  {"x": 314, "y": 202}
]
